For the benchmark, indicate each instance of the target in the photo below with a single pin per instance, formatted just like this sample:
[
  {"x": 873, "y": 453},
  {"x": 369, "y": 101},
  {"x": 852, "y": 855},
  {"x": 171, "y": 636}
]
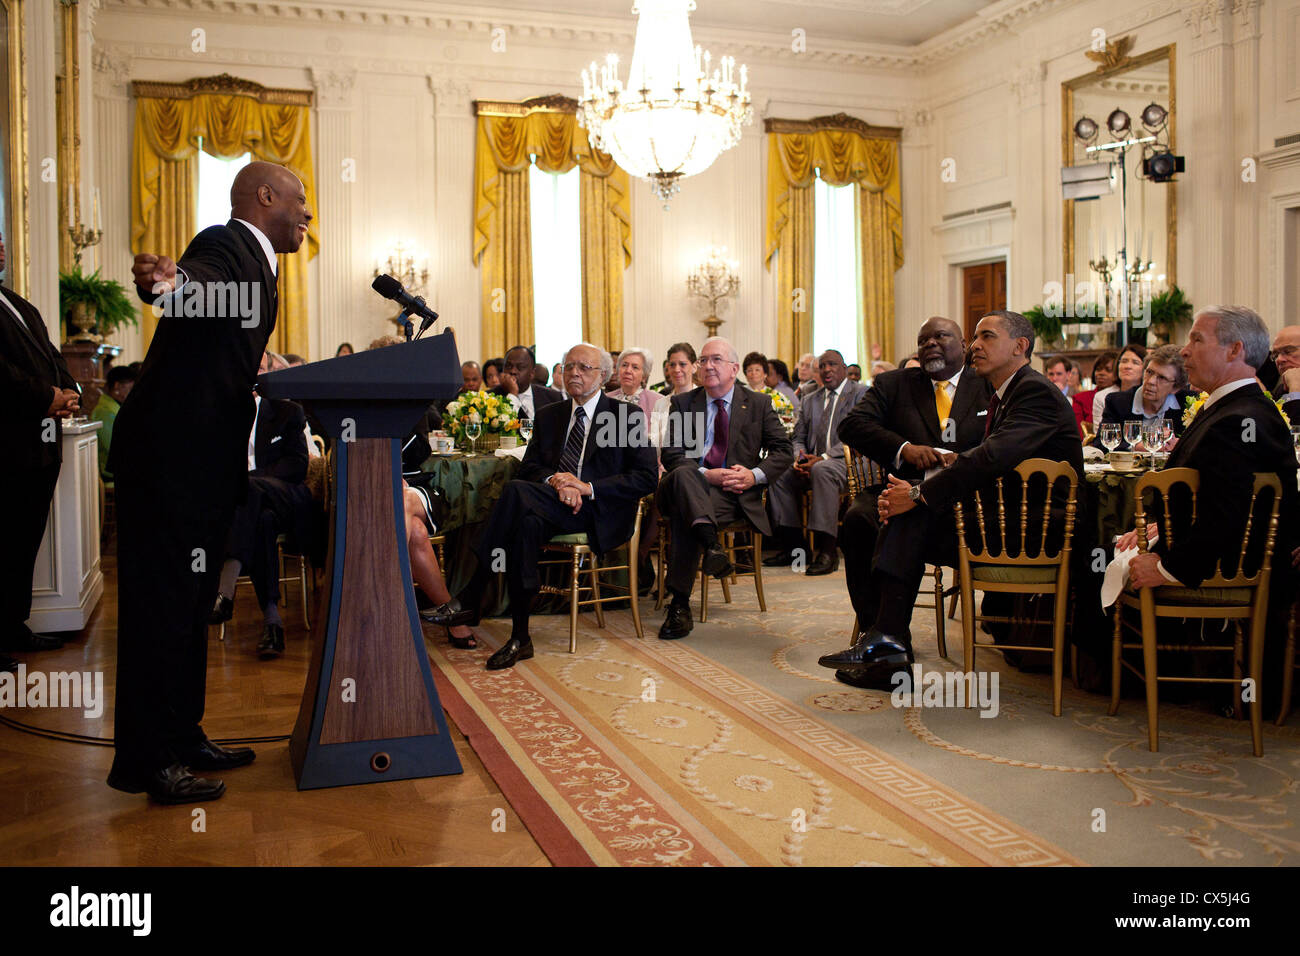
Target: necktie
[
  {"x": 828, "y": 409},
  {"x": 942, "y": 403},
  {"x": 994, "y": 402},
  {"x": 717, "y": 456},
  {"x": 571, "y": 459}
]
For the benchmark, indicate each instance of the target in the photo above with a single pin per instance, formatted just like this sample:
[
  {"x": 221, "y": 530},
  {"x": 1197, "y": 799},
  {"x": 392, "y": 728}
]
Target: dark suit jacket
[
  {"x": 811, "y": 424},
  {"x": 620, "y": 473},
  {"x": 754, "y": 430},
  {"x": 899, "y": 407},
  {"x": 199, "y": 375},
  {"x": 1033, "y": 420},
  {"x": 1238, "y": 435},
  {"x": 1119, "y": 408},
  {"x": 543, "y": 395},
  {"x": 280, "y": 446},
  {"x": 30, "y": 368}
]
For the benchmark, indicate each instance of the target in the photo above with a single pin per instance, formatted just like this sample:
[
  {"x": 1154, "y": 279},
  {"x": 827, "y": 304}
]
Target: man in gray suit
[
  {"x": 819, "y": 465},
  {"x": 713, "y": 474}
]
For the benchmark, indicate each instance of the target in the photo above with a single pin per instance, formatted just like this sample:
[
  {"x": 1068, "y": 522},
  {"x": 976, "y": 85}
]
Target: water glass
[
  {"x": 1132, "y": 432},
  {"x": 1109, "y": 433},
  {"x": 472, "y": 431}
]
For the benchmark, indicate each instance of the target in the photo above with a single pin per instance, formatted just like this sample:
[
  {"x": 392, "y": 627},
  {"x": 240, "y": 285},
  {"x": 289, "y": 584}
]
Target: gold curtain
[
  {"x": 168, "y": 130},
  {"x": 508, "y": 135},
  {"x": 844, "y": 155}
]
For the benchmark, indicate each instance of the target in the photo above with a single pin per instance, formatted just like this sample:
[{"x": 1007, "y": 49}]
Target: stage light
[
  {"x": 1085, "y": 129},
  {"x": 1161, "y": 167},
  {"x": 1154, "y": 117},
  {"x": 1118, "y": 123}
]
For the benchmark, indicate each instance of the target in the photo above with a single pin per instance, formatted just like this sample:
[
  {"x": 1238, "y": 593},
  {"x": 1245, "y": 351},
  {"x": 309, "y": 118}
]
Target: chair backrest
[
  {"x": 1163, "y": 484},
  {"x": 978, "y": 547},
  {"x": 863, "y": 473}
]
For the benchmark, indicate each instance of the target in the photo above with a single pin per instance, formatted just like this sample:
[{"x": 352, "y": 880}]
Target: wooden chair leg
[
  {"x": 1115, "y": 655},
  {"x": 1256, "y": 652},
  {"x": 704, "y": 597},
  {"x": 952, "y": 607},
  {"x": 1058, "y": 653},
  {"x": 661, "y": 547},
  {"x": 302, "y": 584},
  {"x": 938, "y": 612},
  {"x": 595, "y": 589},
  {"x": 728, "y": 545},
  {"x": 1238, "y": 668},
  {"x": 1288, "y": 671},
  {"x": 574, "y": 571},
  {"x": 967, "y": 593},
  {"x": 756, "y": 550},
  {"x": 1149, "y": 673},
  {"x": 634, "y": 591}
]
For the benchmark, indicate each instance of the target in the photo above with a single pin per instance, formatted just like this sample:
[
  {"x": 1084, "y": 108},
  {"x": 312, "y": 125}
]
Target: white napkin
[
  {"x": 1116, "y": 576},
  {"x": 516, "y": 453}
]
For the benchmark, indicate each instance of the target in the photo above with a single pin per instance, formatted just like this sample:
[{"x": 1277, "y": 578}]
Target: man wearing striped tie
[{"x": 587, "y": 466}]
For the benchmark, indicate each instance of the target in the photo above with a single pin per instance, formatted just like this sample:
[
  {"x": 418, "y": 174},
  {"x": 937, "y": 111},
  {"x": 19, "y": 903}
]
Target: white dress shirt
[
  {"x": 252, "y": 435},
  {"x": 589, "y": 408}
]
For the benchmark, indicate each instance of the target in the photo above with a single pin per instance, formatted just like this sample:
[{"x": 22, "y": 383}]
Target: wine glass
[
  {"x": 526, "y": 429},
  {"x": 1109, "y": 433},
  {"x": 1132, "y": 432},
  {"x": 1151, "y": 437},
  {"x": 472, "y": 430}
]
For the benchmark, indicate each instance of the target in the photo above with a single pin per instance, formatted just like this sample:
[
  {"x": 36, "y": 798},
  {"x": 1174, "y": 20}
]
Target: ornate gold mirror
[
  {"x": 13, "y": 146},
  {"x": 1092, "y": 232}
]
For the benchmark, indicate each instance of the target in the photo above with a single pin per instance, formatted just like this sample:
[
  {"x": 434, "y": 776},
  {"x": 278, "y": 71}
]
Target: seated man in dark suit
[
  {"x": 589, "y": 463},
  {"x": 1028, "y": 417},
  {"x": 37, "y": 392},
  {"x": 1162, "y": 394},
  {"x": 1236, "y": 433},
  {"x": 908, "y": 414},
  {"x": 819, "y": 467},
  {"x": 278, "y": 502},
  {"x": 517, "y": 380},
  {"x": 714, "y": 472}
]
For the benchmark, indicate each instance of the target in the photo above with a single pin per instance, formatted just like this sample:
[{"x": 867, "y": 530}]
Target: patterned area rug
[{"x": 734, "y": 747}]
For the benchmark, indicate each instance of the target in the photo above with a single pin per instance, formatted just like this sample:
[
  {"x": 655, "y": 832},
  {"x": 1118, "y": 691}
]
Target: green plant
[
  {"x": 1046, "y": 322},
  {"x": 105, "y": 298},
  {"x": 1170, "y": 308}
]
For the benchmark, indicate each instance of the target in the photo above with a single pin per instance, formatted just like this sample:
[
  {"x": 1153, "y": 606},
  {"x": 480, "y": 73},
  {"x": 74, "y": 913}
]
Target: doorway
[{"x": 984, "y": 289}]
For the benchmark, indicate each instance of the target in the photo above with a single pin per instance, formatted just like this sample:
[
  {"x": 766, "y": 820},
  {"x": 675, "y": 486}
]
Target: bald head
[
  {"x": 1286, "y": 348},
  {"x": 939, "y": 348},
  {"x": 274, "y": 200}
]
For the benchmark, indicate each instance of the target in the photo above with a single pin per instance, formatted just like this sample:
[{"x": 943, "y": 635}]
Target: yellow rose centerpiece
[{"x": 494, "y": 414}]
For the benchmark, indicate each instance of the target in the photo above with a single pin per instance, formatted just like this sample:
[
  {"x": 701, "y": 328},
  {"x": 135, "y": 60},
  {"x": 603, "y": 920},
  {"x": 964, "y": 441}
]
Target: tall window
[
  {"x": 837, "y": 281},
  {"x": 215, "y": 178},
  {"x": 557, "y": 262}
]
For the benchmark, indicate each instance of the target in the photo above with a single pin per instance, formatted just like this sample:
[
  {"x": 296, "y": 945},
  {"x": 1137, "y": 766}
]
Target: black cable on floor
[{"x": 68, "y": 737}]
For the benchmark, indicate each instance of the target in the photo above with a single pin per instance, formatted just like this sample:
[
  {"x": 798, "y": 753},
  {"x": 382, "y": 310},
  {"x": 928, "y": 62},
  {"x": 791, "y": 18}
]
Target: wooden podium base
[{"x": 370, "y": 711}]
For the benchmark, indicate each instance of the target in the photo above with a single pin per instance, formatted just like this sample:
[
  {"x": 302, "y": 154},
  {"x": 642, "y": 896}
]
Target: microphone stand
[{"x": 407, "y": 326}]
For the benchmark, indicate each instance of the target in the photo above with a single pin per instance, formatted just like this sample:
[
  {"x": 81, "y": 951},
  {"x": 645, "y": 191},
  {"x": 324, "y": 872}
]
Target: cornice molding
[
  {"x": 1282, "y": 157},
  {"x": 224, "y": 84},
  {"x": 839, "y": 121},
  {"x": 554, "y": 103},
  {"x": 333, "y": 86}
]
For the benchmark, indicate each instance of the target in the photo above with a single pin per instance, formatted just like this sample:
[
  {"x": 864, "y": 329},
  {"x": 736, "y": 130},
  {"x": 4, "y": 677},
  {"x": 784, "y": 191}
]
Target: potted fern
[
  {"x": 1169, "y": 309},
  {"x": 1046, "y": 323},
  {"x": 93, "y": 306}
]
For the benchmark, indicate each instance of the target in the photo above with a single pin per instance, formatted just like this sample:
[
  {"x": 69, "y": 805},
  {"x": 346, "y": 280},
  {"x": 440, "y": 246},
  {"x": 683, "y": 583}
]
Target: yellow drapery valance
[
  {"x": 846, "y": 151},
  {"x": 509, "y": 134},
  {"x": 232, "y": 118}
]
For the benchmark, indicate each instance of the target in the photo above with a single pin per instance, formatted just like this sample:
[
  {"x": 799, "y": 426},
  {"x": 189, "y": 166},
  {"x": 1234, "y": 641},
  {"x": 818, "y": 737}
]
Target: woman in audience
[
  {"x": 344, "y": 349},
  {"x": 1128, "y": 374},
  {"x": 681, "y": 368},
  {"x": 492, "y": 372},
  {"x": 778, "y": 377},
  {"x": 755, "y": 369},
  {"x": 1161, "y": 394},
  {"x": 1103, "y": 377}
]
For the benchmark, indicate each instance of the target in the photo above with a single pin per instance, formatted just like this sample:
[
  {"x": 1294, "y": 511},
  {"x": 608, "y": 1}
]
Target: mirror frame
[
  {"x": 15, "y": 172},
  {"x": 1067, "y": 153}
]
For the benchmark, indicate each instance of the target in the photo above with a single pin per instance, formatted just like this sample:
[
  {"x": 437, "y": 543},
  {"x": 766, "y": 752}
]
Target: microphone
[{"x": 390, "y": 288}]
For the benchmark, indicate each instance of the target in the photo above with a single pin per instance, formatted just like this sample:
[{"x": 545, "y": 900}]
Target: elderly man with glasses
[
  {"x": 1286, "y": 357},
  {"x": 588, "y": 465}
]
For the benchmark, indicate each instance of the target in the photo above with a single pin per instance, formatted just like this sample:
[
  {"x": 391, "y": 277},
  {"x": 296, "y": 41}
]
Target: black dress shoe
[
  {"x": 21, "y": 638},
  {"x": 272, "y": 643},
  {"x": 210, "y": 756},
  {"x": 169, "y": 785},
  {"x": 512, "y": 652},
  {"x": 825, "y": 563},
  {"x": 450, "y": 614},
  {"x": 7, "y": 664},
  {"x": 874, "y": 656},
  {"x": 782, "y": 559},
  {"x": 857, "y": 679},
  {"x": 223, "y": 609},
  {"x": 716, "y": 562},
  {"x": 677, "y": 623}
]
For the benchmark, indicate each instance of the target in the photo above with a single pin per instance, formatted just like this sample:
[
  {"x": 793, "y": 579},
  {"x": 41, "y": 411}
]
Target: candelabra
[
  {"x": 400, "y": 262},
  {"x": 714, "y": 280},
  {"x": 83, "y": 236}
]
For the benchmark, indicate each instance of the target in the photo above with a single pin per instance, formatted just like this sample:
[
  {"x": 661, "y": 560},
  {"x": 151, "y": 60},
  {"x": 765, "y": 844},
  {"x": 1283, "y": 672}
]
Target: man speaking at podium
[{"x": 180, "y": 460}]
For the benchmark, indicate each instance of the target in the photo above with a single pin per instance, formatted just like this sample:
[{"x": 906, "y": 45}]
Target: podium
[{"x": 370, "y": 711}]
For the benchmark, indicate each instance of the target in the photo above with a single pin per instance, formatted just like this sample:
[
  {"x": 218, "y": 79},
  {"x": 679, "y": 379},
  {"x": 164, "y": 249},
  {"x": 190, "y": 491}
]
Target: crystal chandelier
[{"x": 674, "y": 117}]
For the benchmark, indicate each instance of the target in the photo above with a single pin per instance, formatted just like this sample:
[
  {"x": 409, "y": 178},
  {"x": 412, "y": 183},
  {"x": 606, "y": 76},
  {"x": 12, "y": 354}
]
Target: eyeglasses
[
  {"x": 582, "y": 367},
  {"x": 1287, "y": 351},
  {"x": 714, "y": 360},
  {"x": 1153, "y": 374}
]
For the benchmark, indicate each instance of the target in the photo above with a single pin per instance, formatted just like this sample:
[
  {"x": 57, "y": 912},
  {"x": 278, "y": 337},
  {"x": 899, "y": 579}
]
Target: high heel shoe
[{"x": 463, "y": 643}]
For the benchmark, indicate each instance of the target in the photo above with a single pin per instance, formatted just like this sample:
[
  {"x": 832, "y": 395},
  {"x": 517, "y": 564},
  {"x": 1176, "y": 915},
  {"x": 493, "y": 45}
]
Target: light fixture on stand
[
  {"x": 715, "y": 280},
  {"x": 674, "y": 117},
  {"x": 402, "y": 263}
]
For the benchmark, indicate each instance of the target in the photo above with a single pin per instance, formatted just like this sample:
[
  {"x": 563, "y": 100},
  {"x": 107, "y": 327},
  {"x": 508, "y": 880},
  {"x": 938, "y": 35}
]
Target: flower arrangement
[
  {"x": 1194, "y": 402},
  {"x": 494, "y": 413},
  {"x": 780, "y": 404}
]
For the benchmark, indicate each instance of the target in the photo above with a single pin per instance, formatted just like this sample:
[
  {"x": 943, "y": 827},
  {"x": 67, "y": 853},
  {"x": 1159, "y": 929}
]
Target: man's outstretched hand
[{"x": 154, "y": 274}]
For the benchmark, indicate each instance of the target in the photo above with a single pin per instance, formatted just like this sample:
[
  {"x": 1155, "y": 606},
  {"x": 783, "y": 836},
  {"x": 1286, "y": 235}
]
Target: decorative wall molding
[
  {"x": 1281, "y": 157},
  {"x": 334, "y": 87},
  {"x": 1114, "y": 56},
  {"x": 839, "y": 121},
  {"x": 552, "y": 103},
  {"x": 222, "y": 83},
  {"x": 1028, "y": 84},
  {"x": 1205, "y": 18}
]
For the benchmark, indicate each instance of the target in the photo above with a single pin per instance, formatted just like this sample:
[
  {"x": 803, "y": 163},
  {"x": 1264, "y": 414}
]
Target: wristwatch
[{"x": 915, "y": 493}]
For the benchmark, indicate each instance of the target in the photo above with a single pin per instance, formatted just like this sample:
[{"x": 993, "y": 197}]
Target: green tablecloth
[
  {"x": 471, "y": 486},
  {"x": 1110, "y": 502}
]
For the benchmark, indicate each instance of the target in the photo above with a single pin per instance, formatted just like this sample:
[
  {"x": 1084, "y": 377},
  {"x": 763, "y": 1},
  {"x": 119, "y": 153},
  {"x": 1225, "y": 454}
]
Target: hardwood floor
[{"x": 55, "y": 808}]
